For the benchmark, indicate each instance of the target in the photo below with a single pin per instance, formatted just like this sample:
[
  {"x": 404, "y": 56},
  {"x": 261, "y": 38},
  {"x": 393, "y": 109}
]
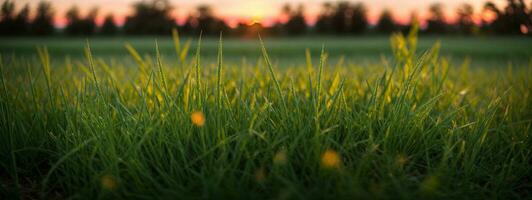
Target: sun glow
[{"x": 255, "y": 20}]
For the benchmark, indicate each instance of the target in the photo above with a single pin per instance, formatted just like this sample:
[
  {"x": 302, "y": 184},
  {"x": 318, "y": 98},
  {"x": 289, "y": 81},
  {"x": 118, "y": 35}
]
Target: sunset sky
[{"x": 265, "y": 11}]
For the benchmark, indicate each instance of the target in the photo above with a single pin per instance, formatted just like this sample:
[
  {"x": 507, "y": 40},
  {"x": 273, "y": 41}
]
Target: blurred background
[
  {"x": 496, "y": 30},
  {"x": 272, "y": 17}
]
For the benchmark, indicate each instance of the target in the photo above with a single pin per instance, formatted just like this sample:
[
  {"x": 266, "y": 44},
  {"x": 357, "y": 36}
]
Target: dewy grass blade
[
  {"x": 160, "y": 66},
  {"x": 320, "y": 72},
  {"x": 88, "y": 54},
  {"x": 198, "y": 70},
  {"x": 272, "y": 73},
  {"x": 219, "y": 73},
  {"x": 308, "y": 58},
  {"x": 184, "y": 51},
  {"x": 177, "y": 43},
  {"x": 44, "y": 57}
]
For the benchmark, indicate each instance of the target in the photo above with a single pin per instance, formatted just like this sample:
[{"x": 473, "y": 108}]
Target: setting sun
[{"x": 255, "y": 20}]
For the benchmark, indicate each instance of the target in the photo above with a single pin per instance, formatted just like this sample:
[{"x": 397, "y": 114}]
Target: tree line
[{"x": 151, "y": 17}]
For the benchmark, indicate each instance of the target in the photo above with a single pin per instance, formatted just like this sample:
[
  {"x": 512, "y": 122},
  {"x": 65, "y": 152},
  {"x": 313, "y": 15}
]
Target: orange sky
[{"x": 265, "y": 11}]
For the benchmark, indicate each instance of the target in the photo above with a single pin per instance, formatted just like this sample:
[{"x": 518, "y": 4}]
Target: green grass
[{"x": 414, "y": 126}]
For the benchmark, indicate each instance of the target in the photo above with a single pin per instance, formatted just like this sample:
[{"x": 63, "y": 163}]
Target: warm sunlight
[
  {"x": 255, "y": 20},
  {"x": 265, "y": 99},
  {"x": 253, "y": 12},
  {"x": 264, "y": 11}
]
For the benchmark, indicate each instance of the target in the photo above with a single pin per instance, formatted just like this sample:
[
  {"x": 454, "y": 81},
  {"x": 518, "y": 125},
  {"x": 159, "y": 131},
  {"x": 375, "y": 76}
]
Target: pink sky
[{"x": 266, "y": 11}]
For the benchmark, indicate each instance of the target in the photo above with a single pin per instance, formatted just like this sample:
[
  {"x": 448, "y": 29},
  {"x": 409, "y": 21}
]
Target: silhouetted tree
[
  {"x": 414, "y": 19},
  {"x": 77, "y": 25},
  {"x": 22, "y": 21},
  {"x": 436, "y": 22},
  {"x": 207, "y": 22},
  {"x": 8, "y": 10},
  {"x": 276, "y": 29},
  {"x": 386, "y": 23},
  {"x": 340, "y": 17},
  {"x": 240, "y": 29},
  {"x": 465, "y": 22},
  {"x": 150, "y": 17},
  {"x": 89, "y": 23},
  {"x": 359, "y": 20},
  {"x": 109, "y": 26},
  {"x": 7, "y": 20},
  {"x": 296, "y": 24},
  {"x": 190, "y": 25},
  {"x": 12, "y": 23},
  {"x": 73, "y": 18},
  {"x": 324, "y": 24},
  {"x": 497, "y": 25},
  {"x": 43, "y": 22},
  {"x": 511, "y": 19}
]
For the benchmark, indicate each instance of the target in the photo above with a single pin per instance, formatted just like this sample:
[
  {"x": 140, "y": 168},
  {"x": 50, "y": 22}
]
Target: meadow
[
  {"x": 486, "y": 51},
  {"x": 350, "y": 118}
]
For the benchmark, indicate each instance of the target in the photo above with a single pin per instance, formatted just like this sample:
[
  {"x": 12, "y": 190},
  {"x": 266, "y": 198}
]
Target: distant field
[{"x": 483, "y": 51}]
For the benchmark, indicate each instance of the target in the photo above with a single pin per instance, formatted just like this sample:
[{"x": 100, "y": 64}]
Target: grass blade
[
  {"x": 219, "y": 73},
  {"x": 272, "y": 73}
]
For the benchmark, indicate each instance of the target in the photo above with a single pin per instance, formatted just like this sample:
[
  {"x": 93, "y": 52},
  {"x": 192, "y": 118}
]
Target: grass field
[
  {"x": 483, "y": 51},
  {"x": 117, "y": 123}
]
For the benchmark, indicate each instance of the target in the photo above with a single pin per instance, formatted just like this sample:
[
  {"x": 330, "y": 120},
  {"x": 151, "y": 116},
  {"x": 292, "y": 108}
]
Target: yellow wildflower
[
  {"x": 330, "y": 159},
  {"x": 430, "y": 184},
  {"x": 260, "y": 175},
  {"x": 280, "y": 158},
  {"x": 108, "y": 182},
  {"x": 198, "y": 118},
  {"x": 401, "y": 160}
]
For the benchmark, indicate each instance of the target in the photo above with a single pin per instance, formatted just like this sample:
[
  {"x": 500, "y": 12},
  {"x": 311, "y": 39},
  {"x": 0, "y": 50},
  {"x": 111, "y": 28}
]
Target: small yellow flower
[
  {"x": 430, "y": 184},
  {"x": 330, "y": 159},
  {"x": 198, "y": 118},
  {"x": 149, "y": 90},
  {"x": 401, "y": 160},
  {"x": 159, "y": 97},
  {"x": 150, "y": 103},
  {"x": 280, "y": 158},
  {"x": 463, "y": 92},
  {"x": 108, "y": 182},
  {"x": 260, "y": 175}
]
